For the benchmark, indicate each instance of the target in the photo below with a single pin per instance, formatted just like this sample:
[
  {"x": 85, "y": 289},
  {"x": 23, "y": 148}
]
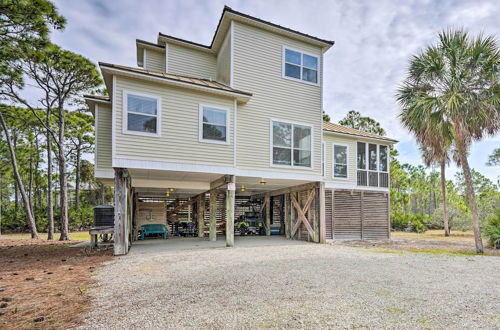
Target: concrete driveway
[{"x": 269, "y": 282}]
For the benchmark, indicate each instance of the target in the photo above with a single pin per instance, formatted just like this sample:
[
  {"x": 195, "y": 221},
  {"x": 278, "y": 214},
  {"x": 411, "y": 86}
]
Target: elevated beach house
[{"x": 197, "y": 134}]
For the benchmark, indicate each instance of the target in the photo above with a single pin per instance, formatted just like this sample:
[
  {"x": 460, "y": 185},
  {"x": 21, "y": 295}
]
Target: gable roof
[
  {"x": 339, "y": 129},
  {"x": 174, "y": 79},
  {"x": 229, "y": 14}
]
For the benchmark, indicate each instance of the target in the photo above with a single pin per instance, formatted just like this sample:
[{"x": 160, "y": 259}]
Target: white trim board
[
  {"x": 211, "y": 168},
  {"x": 113, "y": 121},
  {"x": 96, "y": 137},
  {"x": 104, "y": 174},
  {"x": 338, "y": 185}
]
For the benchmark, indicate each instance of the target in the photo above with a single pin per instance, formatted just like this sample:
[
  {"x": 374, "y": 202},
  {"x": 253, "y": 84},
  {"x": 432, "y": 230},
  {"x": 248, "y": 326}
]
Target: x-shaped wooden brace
[{"x": 301, "y": 212}]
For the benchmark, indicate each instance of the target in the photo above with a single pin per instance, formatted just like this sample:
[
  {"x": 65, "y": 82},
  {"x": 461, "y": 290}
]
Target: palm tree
[
  {"x": 454, "y": 86},
  {"x": 438, "y": 156}
]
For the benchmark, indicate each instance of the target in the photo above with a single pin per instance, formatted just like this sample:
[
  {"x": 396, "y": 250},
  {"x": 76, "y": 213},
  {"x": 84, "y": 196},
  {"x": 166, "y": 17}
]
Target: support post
[
  {"x": 120, "y": 245},
  {"x": 322, "y": 213},
  {"x": 230, "y": 196},
  {"x": 268, "y": 214},
  {"x": 200, "y": 208},
  {"x": 288, "y": 215},
  {"x": 314, "y": 214},
  {"x": 213, "y": 216}
]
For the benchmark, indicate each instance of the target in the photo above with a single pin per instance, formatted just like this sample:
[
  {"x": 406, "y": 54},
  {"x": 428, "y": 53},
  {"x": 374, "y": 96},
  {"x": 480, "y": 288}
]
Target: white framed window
[
  {"x": 298, "y": 65},
  {"x": 372, "y": 165},
  {"x": 141, "y": 114},
  {"x": 214, "y": 124},
  {"x": 340, "y": 161},
  {"x": 291, "y": 144}
]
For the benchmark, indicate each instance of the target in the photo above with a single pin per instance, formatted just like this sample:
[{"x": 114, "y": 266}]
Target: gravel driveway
[{"x": 274, "y": 283}]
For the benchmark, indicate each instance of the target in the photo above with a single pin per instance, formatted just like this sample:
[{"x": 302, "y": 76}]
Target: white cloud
[{"x": 374, "y": 41}]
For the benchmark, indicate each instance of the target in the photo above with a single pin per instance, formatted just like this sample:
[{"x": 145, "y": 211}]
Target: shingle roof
[
  {"x": 178, "y": 78},
  {"x": 335, "y": 128}
]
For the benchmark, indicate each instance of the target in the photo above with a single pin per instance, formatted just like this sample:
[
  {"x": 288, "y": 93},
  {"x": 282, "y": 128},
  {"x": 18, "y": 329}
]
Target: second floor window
[
  {"x": 291, "y": 144},
  {"x": 301, "y": 66},
  {"x": 141, "y": 114},
  {"x": 213, "y": 124},
  {"x": 340, "y": 161}
]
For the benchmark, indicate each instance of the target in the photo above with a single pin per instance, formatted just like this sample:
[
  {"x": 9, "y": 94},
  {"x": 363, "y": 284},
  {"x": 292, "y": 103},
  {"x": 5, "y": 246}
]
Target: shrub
[
  {"x": 492, "y": 231},
  {"x": 82, "y": 218},
  {"x": 409, "y": 222}
]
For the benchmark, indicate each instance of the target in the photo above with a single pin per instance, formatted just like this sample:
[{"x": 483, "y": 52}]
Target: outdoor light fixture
[
  {"x": 242, "y": 188},
  {"x": 171, "y": 189},
  {"x": 167, "y": 193},
  {"x": 262, "y": 182}
]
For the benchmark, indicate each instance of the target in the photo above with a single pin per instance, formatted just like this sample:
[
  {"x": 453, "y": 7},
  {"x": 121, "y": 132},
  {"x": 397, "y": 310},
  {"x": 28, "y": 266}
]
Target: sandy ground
[
  {"x": 44, "y": 284},
  {"x": 273, "y": 283}
]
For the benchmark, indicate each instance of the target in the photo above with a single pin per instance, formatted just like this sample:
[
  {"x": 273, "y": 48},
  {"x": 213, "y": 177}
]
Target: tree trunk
[
  {"x": 471, "y": 195},
  {"x": 29, "y": 214},
  {"x": 50, "y": 203},
  {"x": 16, "y": 188},
  {"x": 30, "y": 180},
  {"x": 1, "y": 202},
  {"x": 77, "y": 179},
  {"x": 445, "y": 202},
  {"x": 63, "y": 179}
]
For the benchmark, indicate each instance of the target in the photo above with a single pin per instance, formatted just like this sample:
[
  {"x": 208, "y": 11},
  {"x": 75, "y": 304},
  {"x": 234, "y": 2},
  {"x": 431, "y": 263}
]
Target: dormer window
[{"x": 300, "y": 66}]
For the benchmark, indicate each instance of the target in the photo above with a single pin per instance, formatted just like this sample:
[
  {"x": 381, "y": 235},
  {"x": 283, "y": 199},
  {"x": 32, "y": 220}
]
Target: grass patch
[
  {"x": 74, "y": 236},
  {"x": 428, "y": 251},
  {"x": 462, "y": 236}
]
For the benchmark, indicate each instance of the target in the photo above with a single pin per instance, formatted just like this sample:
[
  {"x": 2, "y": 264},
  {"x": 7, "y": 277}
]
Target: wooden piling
[
  {"x": 230, "y": 197},
  {"x": 268, "y": 213},
  {"x": 201, "y": 215},
  {"x": 213, "y": 216}
]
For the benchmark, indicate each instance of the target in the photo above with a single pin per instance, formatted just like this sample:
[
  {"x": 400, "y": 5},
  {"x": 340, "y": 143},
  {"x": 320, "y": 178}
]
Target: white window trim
[
  {"x": 378, "y": 161},
  {"x": 301, "y": 66},
  {"x": 200, "y": 124},
  {"x": 346, "y": 164},
  {"x": 125, "y": 129},
  {"x": 271, "y": 145}
]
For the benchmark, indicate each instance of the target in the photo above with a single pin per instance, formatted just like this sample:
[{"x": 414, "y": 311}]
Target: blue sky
[{"x": 373, "y": 43}]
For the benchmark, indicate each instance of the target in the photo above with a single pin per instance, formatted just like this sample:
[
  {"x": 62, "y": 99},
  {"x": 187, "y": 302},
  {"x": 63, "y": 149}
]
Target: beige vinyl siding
[
  {"x": 189, "y": 62},
  {"x": 103, "y": 137},
  {"x": 224, "y": 61},
  {"x": 155, "y": 60},
  {"x": 329, "y": 140},
  {"x": 179, "y": 140},
  {"x": 258, "y": 69},
  {"x": 352, "y": 143}
]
